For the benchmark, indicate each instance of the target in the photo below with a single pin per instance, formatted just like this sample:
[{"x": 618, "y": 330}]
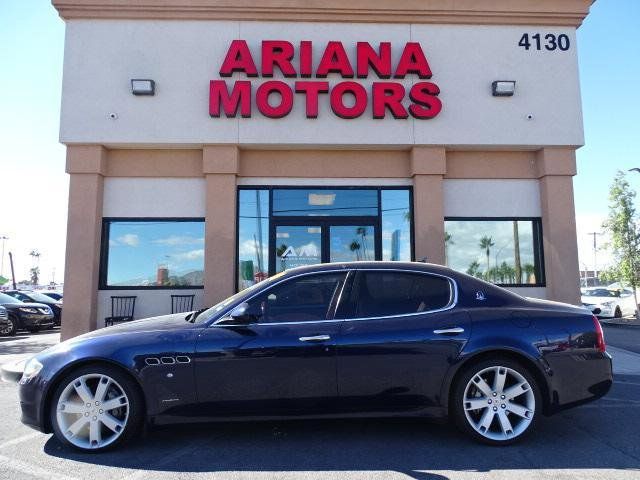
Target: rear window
[{"x": 382, "y": 294}]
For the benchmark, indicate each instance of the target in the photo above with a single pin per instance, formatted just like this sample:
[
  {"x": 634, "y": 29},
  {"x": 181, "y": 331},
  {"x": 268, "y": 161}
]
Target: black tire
[
  {"x": 8, "y": 327},
  {"x": 617, "y": 313},
  {"x": 457, "y": 411},
  {"x": 136, "y": 415}
]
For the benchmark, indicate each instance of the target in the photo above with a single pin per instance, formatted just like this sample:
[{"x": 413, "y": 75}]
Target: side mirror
[{"x": 240, "y": 315}]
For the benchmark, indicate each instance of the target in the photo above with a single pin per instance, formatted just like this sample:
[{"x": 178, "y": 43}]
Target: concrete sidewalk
[{"x": 624, "y": 361}]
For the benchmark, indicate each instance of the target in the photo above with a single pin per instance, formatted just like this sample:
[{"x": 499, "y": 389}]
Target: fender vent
[
  {"x": 152, "y": 361},
  {"x": 167, "y": 360}
]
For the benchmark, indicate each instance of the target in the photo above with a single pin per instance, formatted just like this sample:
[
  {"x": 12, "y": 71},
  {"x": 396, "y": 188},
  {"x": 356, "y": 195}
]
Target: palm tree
[
  {"x": 355, "y": 247},
  {"x": 485, "y": 244}
]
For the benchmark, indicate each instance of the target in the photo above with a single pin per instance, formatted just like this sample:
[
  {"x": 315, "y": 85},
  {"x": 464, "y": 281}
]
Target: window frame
[
  {"x": 271, "y": 217},
  {"x": 355, "y": 283},
  {"x": 538, "y": 247},
  {"x": 104, "y": 253}
]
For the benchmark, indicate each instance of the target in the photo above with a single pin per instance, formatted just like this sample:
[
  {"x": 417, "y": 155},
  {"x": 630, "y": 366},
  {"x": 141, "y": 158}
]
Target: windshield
[
  {"x": 218, "y": 307},
  {"x": 4, "y": 298},
  {"x": 601, "y": 292},
  {"x": 38, "y": 297}
]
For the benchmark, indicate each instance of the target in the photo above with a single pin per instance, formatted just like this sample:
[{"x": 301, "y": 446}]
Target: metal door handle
[
  {"x": 449, "y": 331},
  {"x": 317, "y": 338}
]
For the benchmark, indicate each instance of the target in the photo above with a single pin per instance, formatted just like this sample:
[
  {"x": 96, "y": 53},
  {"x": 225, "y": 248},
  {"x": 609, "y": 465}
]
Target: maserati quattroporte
[{"x": 333, "y": 340}]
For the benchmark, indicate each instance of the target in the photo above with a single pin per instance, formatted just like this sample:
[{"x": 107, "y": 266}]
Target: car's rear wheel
[
  {"x": 95, "y": 408},
  {"x": 496, "y": 401},
  {"x": 8, "y": 326}
]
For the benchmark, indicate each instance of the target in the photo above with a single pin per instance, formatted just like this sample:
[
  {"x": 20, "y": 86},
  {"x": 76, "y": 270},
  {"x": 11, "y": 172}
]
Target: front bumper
[
  {"x": 36, "y": 320},
  {"x": 606, "y": 311}
]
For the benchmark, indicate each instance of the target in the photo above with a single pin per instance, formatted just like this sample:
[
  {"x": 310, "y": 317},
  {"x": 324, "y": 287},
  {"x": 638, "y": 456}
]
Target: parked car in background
[
  {"x": 613, "y": 303},
  {"x": 38, "y": 297},
  {"x": 24, "y": 316},
  {"x": 353, "y": 339},
  {"x": 3, "y": 314},
  {"x": 54, "y": 295}
]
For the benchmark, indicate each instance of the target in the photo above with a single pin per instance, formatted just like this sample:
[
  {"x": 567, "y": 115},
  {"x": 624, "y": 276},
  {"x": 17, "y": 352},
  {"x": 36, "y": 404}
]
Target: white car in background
[{"x": 613, "y": 303}]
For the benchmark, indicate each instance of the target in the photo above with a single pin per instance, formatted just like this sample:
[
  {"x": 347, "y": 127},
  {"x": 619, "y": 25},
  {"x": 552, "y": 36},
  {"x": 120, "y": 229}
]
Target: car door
[
  {"x": 401, "y": 334},
  {"x": 281, "y": 364}
]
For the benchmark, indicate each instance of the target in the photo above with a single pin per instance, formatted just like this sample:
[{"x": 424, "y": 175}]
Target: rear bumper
[{"x": 578, "y": 379}]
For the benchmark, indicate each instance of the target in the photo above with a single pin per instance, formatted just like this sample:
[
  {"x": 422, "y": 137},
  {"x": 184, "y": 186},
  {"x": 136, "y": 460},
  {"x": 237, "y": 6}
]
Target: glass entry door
[{"x": 298, "y": 242}]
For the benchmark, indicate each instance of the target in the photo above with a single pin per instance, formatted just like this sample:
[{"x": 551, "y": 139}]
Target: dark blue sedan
[{"x": 334, "y": 340}]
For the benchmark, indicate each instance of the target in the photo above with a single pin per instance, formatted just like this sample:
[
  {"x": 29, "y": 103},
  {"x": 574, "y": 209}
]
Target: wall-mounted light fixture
[
  {"x": 503, "y": 88},
  {"x": 140, "y": 86}
]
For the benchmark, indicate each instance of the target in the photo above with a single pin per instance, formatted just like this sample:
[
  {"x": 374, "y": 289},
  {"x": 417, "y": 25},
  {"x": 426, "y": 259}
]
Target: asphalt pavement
[{"x": 595, "y": 441}]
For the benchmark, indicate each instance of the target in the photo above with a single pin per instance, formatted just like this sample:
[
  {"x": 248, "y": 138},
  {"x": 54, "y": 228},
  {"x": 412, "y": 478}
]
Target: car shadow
[{"x": 413, "y": 447}]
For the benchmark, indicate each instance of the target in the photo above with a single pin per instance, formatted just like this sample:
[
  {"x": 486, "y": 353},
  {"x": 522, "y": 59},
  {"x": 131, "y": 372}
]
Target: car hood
[
  {"x": 174, "y": 321},
  {"x": 11, "y": 306},
  {"x": 596, "y": 300}
]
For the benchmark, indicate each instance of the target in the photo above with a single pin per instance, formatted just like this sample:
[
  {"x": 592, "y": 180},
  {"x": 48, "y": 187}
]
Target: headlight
[
  {"x": 31, "y": 369},
  {"x": 28, "y": 310}
]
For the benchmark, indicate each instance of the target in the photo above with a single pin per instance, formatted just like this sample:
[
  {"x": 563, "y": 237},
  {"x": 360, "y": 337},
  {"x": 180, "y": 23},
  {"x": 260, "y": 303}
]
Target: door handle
[
  {"x": 316, "y": 338},
  {"x": 449, "y": 331}
]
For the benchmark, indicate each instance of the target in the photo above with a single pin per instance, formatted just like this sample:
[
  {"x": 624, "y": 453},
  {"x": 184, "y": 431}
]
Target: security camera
[
  {"x": 113, "y": 115},
  {"x": 530, "y": 116}
]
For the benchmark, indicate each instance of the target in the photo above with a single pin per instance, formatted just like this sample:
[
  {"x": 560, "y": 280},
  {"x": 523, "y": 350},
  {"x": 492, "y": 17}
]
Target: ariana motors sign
[{"x": 348, "y": 98}]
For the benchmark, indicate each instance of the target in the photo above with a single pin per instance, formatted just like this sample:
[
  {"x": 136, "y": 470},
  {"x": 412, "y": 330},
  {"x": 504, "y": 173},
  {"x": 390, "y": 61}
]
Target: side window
[
  {"x": 382, "y": 294},
  {"x": 303, "y": 299}
]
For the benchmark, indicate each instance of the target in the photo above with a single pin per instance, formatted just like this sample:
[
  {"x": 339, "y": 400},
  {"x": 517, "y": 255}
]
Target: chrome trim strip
[{"x": 452, "y": 303}]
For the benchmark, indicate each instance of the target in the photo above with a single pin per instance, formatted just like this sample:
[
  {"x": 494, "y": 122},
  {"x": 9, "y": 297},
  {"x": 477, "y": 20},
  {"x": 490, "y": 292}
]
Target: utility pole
[
  {"x": 595, "y": 258},
  {"x": 13, "y": 275},
  {"x": 4, "y": 239}
]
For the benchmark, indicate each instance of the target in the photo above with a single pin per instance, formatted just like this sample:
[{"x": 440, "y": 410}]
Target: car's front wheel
[
  {"x": 95, "y": 408},
  {"x": 8, "y": 326},
  {"x": 496, "y": 401}
]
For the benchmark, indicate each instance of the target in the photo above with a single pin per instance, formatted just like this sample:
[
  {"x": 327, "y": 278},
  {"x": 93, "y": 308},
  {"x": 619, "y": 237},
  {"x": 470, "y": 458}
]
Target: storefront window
[
  {"x": 325, "y": 202},
  {"x": 253, "y": 237},
  {"x": 283, "y": 227},
  {"x": 153, "y": 253},
  {"x": 396, "y": 225},
  {"x": 501, "y": 251}
]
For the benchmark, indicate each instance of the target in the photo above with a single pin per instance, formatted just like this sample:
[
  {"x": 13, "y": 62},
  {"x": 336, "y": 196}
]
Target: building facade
[{"x": 212, "y": 143}]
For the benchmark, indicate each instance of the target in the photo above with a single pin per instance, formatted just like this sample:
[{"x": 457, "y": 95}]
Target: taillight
[{"x": 600, "y": 345}]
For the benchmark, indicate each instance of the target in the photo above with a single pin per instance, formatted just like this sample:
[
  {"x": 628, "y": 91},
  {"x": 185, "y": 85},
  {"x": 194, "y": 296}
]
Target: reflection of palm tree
[
  {"x": 362, "y": 231},
  {"x": 447, "y": 242},
  {"x": 355, "y": 247},
  {"x": 516, "y": 255},
  {"x": 485, "y": 244},
  {"x": 279, "y": 252},
  {"x": 529, "y": 271},
  {"x": 474, "y": 269}
]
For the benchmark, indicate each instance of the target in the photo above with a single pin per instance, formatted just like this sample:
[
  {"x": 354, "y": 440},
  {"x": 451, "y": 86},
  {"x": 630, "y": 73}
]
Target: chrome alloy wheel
[
  {"x": 499, "y": 403},
  {"x": 92, "y": 411}
]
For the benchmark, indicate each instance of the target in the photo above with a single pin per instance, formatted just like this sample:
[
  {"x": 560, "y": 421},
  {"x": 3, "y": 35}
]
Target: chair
[
  {"x": 122, "y": 309},
  {"x": 181, "y": 303}
]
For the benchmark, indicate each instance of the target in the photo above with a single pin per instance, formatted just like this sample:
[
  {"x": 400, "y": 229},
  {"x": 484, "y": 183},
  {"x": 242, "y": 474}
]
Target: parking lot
[{"x": 596, "y": 441}]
